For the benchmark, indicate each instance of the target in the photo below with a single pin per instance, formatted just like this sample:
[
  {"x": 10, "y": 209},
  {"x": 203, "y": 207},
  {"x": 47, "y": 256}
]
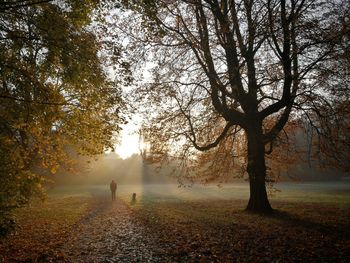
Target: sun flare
[{"x": 129, "y": 145}]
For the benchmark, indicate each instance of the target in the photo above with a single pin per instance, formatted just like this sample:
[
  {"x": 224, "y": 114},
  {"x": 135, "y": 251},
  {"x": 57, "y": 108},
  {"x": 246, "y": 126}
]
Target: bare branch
[{"x": 215, "y": 143}]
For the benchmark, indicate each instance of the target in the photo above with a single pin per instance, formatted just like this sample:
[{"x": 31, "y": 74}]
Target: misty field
[
  {"x": 320, "y": 192},
  {"x": 184, "y": 224}
]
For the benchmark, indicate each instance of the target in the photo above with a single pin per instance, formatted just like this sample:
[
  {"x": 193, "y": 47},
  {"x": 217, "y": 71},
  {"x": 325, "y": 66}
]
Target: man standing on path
[{"x": 113, "y": 187}]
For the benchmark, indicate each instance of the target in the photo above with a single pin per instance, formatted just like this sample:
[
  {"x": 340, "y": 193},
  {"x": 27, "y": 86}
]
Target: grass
[
  {"x": 42, "y": 229},
  {"x": 208, "y": 223},
  {"x": 62, "y": 210},
  {"x": 200, "y": 222},
  {"x": 331, "y": 193},
  {"x": 219, "y": 231}
]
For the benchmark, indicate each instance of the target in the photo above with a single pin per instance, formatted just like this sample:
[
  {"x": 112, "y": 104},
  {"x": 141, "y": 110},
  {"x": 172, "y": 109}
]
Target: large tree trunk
[{"x": 256, "y": 168}]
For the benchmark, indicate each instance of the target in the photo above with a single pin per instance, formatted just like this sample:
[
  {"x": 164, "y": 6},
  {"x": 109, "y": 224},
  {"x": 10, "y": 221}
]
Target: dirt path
[{"x": 110, "y": 233}]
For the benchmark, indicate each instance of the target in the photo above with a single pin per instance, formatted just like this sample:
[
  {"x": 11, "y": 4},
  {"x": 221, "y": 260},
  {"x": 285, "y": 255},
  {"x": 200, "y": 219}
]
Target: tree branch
[
  {"x": 215, "y": 143},
  {"x": 20, "y": 4},
  {"x": 34, "y": 101}
]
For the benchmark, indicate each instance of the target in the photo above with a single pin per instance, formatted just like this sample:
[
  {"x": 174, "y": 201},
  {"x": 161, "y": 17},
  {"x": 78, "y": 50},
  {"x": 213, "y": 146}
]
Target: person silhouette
[
  {"x": 133, "y": 199},
  {"x": 113, "y": 187}
]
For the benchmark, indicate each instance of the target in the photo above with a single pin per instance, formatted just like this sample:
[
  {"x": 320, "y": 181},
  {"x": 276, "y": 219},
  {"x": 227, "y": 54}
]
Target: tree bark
[{"x": 256, "y": 168}]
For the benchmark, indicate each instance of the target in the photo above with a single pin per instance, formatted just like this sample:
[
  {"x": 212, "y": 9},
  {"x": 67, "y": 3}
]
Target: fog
[
  {"x": 110, "y": 167},
  {"x": 134, "y": 170},
  {"x": 134, "y": 176}
]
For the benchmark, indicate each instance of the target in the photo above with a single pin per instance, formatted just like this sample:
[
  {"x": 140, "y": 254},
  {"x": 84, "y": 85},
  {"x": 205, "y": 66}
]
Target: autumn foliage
[{"x": 56, "y": 98}]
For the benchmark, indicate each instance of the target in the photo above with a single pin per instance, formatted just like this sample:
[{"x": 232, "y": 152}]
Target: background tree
[
  {"x": 55, "y": 94},
  {"x": 330, "y": 115},
  {"x": 223, "y": 71}
]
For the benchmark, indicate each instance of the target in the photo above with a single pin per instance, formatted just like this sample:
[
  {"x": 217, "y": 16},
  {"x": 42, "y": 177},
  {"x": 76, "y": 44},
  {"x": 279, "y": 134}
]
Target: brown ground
[
  {"x": 113, "y": 234},
  {"x": 195, "y": 231},
  {"x": 219, "y": 232}
]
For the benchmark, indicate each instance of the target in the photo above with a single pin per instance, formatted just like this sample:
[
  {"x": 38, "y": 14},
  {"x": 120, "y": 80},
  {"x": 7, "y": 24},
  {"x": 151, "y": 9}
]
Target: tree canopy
[
  {"x": 228, "y": 76},
  {"x": 55, "y": 93}
]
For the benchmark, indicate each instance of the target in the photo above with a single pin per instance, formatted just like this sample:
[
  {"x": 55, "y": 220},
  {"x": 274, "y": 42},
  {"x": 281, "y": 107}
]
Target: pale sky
[{"x": 129, "y": 140}]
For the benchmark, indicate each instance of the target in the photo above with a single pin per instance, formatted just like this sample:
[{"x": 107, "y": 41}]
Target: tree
[
  {"x": 8, "y": 5},
  {"x": 226, "y": 71},
  {"x": 55, "y": 94}
]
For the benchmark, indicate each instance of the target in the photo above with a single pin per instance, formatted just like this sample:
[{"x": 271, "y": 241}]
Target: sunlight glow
[{"x": 129, "y": 142}]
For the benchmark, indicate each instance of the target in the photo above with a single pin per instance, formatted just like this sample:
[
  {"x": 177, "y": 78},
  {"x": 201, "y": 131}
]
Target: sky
[{"x": 129, "y": 141}]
